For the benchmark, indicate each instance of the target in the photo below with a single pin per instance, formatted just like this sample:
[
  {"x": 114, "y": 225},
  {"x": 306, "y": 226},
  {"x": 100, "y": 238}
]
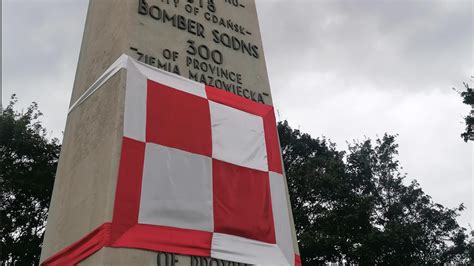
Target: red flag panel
[
  {"x": 178, "y": 119},
  {"x": 242, "y": 202}
]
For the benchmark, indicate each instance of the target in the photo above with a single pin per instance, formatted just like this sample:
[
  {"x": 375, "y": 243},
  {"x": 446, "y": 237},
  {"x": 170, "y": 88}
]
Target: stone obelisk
[{"x": 216, "y": 42}]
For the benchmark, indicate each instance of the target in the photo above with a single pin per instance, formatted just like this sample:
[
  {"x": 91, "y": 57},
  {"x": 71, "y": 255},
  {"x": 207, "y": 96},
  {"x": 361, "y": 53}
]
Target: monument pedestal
[{"x": 213, "y": 42}]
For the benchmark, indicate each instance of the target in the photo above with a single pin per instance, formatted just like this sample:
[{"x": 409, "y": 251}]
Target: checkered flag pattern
[{"x": 200, "y": 173}]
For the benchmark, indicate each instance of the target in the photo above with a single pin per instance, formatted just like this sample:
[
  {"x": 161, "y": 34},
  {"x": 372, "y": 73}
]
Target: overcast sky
[{"x": 341, "y": 69}]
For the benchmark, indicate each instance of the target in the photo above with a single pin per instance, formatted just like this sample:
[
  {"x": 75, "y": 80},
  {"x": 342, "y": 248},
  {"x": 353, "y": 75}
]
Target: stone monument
[{"x": 216, "y": 42}]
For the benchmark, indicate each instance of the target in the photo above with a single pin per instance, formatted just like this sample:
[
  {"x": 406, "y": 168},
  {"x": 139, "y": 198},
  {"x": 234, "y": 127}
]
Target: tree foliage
[
  {"x": 355, "y": 206},
  {"x": 468, "y": 98},
  {"x": 27, "y": 167}
]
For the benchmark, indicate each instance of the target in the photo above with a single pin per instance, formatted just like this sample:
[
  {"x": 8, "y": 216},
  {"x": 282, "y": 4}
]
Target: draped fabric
[{"x": 200, "y": 174}]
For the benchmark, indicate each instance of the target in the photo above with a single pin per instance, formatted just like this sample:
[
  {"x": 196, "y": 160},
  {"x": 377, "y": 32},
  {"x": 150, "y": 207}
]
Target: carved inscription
[
  {"x": 170, "y": 259},
  {"x": 202, "y": 23}
]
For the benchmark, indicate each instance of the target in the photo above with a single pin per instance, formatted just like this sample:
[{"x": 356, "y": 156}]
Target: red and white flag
[{"x": 200, "y": 174}]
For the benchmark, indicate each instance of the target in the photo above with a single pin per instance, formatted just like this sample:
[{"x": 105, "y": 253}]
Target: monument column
[{"x": 216, "y": 42}]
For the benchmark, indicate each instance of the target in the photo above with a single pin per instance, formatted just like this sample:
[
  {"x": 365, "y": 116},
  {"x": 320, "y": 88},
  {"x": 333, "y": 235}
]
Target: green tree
[
  {"x": 468, "y": 98},
  {"x": 27, "y": 167},
  {"x": 355, "y": 206}
]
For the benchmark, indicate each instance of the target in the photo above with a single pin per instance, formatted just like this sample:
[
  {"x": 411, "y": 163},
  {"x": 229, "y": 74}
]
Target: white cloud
[
  {"x": 350, "y": 70},
  {"x": 40, "y": 47}
]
